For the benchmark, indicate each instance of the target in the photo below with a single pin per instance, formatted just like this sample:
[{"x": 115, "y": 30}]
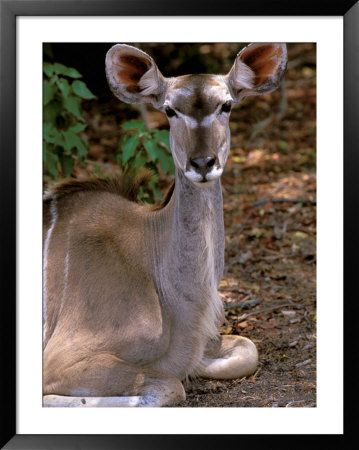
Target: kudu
[{"x": 131, "y": 306}]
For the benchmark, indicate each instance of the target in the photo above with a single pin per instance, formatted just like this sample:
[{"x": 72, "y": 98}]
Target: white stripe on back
[{"x": 53, "y": 211}]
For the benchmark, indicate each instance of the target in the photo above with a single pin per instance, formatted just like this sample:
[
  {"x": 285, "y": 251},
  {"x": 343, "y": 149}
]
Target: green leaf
[
  {"x": 152, "y": 149},
  {"x": 165, "y": 161},
  {"x": 72, "y": 141},
  {"x": 79, "y": 88},
  {"x": 73, "y": 105},
  {"x": 45, "y": 148},
  {"x": 129, "y": 147},
  {"x": 72, "y": 73},
  {"x": 52, "y": 135},
  {"x": 64, "y": 86},
  {"x": 51, "y": 111},
  {"x": 156, "y": 190},
  {"x": 60, "y": 69},
  {"x": 49, "y": 91},
  {"x": 134, "y": 125},
  {"x": 48, "y": 69},
  {"x": 51, "y": 160},
  {"x": 97, "y": 170},
  {"x": 140, "y": 161},
  {"x": 145, "y": 195},
  {"x": 67, "y": 164},
  {"x": 163, "y": 136},
  {"x": 282, "y": 145},
  {"x": 48, "y": 131},
  {"x": 77, "y": 127}
]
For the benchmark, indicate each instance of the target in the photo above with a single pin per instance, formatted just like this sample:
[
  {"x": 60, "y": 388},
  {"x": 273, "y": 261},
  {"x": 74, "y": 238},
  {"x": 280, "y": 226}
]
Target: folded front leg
[{"x": 229, "y": 357}]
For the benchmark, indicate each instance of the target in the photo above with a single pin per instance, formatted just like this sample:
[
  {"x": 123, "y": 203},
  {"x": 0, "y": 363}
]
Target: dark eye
[
  {"x": 226, "y": 107},
  {"x": 170, "y": 112}
]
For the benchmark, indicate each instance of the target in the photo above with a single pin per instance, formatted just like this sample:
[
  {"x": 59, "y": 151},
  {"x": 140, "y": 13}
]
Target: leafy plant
[
  {"x": 140, "y": 148},
  {"x": 63, "y": 94}
]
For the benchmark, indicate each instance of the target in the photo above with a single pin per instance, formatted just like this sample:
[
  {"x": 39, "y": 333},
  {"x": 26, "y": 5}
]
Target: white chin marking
[
  {"x": 214, "y": 174},
  {"x": 198, "y": 178},
  {"x": 193, "y": 176}
]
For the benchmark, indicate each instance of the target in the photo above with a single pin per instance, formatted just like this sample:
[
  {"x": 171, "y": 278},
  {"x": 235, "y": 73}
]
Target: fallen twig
[
  {"x": 304, "y": 363},
  {"x": 262, "y": 201},
  {"x": 292, "y": 403},
  {"x": 254, "y": 376},
  {"x": 264, "y": 310},
  {"x": 239, "y": 291},
  {"x": 243, "y": 304}
]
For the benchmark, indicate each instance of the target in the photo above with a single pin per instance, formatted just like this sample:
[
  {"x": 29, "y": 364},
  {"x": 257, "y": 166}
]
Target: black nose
[{"x": 203, "y": 165}]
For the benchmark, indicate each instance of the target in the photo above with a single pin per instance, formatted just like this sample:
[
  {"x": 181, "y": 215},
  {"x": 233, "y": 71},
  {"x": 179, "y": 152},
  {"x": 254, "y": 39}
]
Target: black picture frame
[{"x": 10, "y": 9}]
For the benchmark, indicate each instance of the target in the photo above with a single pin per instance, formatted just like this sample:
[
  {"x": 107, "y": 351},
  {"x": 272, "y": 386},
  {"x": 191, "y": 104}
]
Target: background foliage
[{"x": 63, "y": 94}]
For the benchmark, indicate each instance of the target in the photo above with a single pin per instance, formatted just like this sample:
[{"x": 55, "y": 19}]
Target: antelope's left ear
[
  {"x": 133, "y": 76},
  {"x": 258, "y": 69}
]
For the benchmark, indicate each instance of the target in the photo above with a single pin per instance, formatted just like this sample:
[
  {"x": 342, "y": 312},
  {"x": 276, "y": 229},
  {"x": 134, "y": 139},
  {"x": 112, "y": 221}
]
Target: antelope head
[{"x": 197, "y": 106}]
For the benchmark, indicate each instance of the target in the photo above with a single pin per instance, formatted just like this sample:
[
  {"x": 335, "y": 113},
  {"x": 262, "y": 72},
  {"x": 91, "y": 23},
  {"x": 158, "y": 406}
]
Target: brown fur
[
  {"x": 263, "y": 60},
  {"x": 132, "y": 70},
  {"x": 124, "y": 186}
]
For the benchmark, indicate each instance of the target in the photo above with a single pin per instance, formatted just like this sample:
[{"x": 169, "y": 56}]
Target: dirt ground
[{"x": 269, "y": 282}]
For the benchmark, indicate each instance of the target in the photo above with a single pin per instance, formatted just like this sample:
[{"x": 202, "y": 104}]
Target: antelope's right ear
[
  {"x": 258, "y": 69},
  {"x": 133, "y": 76}
]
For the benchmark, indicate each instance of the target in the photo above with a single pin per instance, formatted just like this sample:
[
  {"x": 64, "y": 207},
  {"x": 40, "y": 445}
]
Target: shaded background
[
  {"x": 269, "y": 188},
  {"x": 174, "y": 59}
]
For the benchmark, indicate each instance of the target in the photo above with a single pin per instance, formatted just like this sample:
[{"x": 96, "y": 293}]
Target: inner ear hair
[
  {"x": 132, "y": 75},
  {"x": 149, "y": 82}
]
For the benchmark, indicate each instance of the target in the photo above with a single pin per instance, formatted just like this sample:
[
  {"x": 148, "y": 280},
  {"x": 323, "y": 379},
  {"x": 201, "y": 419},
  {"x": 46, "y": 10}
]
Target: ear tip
[
  {"x": 120, "y": 47},
  {"x": 280, "y": 49},
  {"x": 114, "y": 52},
  {"x": 110, "y": 52},
  {"x": 116, "y": 48},
  {"x": 284, "y": 56},
  {"x": 283, "y": 47}
]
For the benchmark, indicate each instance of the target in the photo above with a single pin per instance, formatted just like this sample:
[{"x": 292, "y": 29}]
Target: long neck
[{"x": 188, "y": 245}]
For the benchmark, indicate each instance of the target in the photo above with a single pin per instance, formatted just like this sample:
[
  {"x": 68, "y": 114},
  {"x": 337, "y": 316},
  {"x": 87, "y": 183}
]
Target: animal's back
[{"x": 97, "y": 295}]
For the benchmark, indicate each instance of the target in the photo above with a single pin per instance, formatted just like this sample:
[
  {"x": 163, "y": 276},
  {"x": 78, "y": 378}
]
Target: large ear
[
  {"x": 133, "y": 76},
  {"x": 258, "y": 69}
]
